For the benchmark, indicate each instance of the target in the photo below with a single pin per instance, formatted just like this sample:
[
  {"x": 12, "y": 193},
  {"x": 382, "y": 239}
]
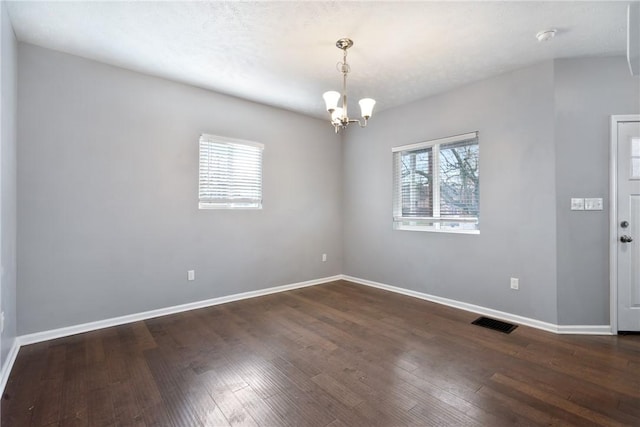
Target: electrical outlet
[
  {"x": 324, "y": 257},
  {"x": 191, "y": 275},
  {"x": 515, "y": 283}
]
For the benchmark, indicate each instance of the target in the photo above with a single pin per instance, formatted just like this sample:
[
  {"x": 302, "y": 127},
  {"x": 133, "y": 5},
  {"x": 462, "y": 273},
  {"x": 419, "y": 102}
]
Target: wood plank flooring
[{"x": 334, "y": 355}]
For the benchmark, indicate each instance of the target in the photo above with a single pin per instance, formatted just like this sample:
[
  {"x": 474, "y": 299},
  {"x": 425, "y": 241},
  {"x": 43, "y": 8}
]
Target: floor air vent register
[{"x": 494, "y": 324}]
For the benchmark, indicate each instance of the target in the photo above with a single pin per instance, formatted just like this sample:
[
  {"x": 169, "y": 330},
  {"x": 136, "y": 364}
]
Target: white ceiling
[{"x": 284, "y": 54}]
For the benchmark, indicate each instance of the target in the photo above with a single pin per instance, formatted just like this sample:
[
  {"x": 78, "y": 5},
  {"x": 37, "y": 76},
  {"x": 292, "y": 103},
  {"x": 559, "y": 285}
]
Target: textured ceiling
[{"x": 284, "y": 54}]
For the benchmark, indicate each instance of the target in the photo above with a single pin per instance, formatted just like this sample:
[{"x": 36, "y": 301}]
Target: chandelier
[{"x": 339, "y": 117}]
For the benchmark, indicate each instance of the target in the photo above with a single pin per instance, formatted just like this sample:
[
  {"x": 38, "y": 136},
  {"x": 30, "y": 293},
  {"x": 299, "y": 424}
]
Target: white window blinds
[
  {"x": 437, "y": 184},
  {"x": 230, "y": 173}
]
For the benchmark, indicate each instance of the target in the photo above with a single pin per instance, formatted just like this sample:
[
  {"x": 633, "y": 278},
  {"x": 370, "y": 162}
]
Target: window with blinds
[
  {"x": 437, "y": 185},
  {"x": 230, "y": 173}
]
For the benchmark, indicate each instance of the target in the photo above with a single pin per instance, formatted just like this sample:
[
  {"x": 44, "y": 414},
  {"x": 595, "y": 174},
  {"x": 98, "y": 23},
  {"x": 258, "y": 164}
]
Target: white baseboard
[
  {"x": 585, "y": 329},
  {"x": 509, "y": 317},
  {"x": 115, "y": 321},
  {"x": 8, "y": 365}
]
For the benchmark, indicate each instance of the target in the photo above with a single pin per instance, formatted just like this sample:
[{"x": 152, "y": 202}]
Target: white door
[{"x": 628, "y": 225}]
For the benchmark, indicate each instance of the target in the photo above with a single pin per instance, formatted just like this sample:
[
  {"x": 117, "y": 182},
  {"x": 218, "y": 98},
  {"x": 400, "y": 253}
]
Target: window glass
[
  {"x": 230, "y": 173},
  {"x": 437, "y": 185}
]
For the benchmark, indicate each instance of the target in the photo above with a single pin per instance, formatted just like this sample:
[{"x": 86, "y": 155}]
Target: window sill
[
  {"x": 433, "y": 230},
  {"x": 228, "y": 207}
]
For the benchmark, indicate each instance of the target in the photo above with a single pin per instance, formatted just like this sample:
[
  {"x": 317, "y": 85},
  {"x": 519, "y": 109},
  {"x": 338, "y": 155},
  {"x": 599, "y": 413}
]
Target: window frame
[
  {"x": 209, "y": 204},
  {"x": 436, "y": 222}
]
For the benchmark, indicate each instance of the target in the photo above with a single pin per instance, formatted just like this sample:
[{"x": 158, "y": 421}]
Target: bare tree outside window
[
  {"x": 459, "y": 179},
  {"x": 417, "y": 183}
]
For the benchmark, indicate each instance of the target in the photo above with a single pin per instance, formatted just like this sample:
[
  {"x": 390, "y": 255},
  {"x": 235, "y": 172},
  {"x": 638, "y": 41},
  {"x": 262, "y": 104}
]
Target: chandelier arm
[{"x": 361, "y": 124}]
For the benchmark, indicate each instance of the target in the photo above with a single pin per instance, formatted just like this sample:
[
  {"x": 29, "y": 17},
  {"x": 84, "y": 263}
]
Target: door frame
[{"x": 613, "y": 216}]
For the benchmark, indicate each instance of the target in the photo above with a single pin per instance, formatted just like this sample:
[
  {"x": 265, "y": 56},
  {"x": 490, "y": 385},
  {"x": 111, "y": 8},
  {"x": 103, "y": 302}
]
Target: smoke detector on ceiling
[{"x": 546, "y": 35}]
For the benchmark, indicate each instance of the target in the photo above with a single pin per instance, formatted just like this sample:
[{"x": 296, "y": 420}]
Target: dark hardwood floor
[{"x": 334, "y": 355}]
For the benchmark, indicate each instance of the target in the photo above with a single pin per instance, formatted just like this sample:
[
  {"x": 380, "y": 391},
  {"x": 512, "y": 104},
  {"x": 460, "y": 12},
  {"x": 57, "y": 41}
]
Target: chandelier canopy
[{"x": 339, "y": 117}]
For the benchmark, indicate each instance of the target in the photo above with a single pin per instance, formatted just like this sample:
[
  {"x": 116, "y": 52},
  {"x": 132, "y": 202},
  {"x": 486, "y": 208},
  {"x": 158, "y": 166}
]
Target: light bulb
[
  {"x": 366, "y": 107},
  {"x": 331, "y": 99}
]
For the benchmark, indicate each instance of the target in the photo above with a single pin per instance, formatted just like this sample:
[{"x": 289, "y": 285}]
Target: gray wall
[
  {"x": 107, "y": 187},
  {"x": 8, "y": 54},
  {"x": 107, "y": 194},
  {"x": 544, "y": 138},
  {"x": 587, "y": 93},
  {"x": 514, "y": 115}
]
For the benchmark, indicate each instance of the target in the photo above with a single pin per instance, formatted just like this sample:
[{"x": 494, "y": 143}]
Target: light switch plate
[
  {"x": 593, "y": 204},
  {"x": 577, "y": 204}
]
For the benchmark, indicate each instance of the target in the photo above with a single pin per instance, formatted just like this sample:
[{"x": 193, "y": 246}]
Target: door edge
[{"x": 613, "y": 215}]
